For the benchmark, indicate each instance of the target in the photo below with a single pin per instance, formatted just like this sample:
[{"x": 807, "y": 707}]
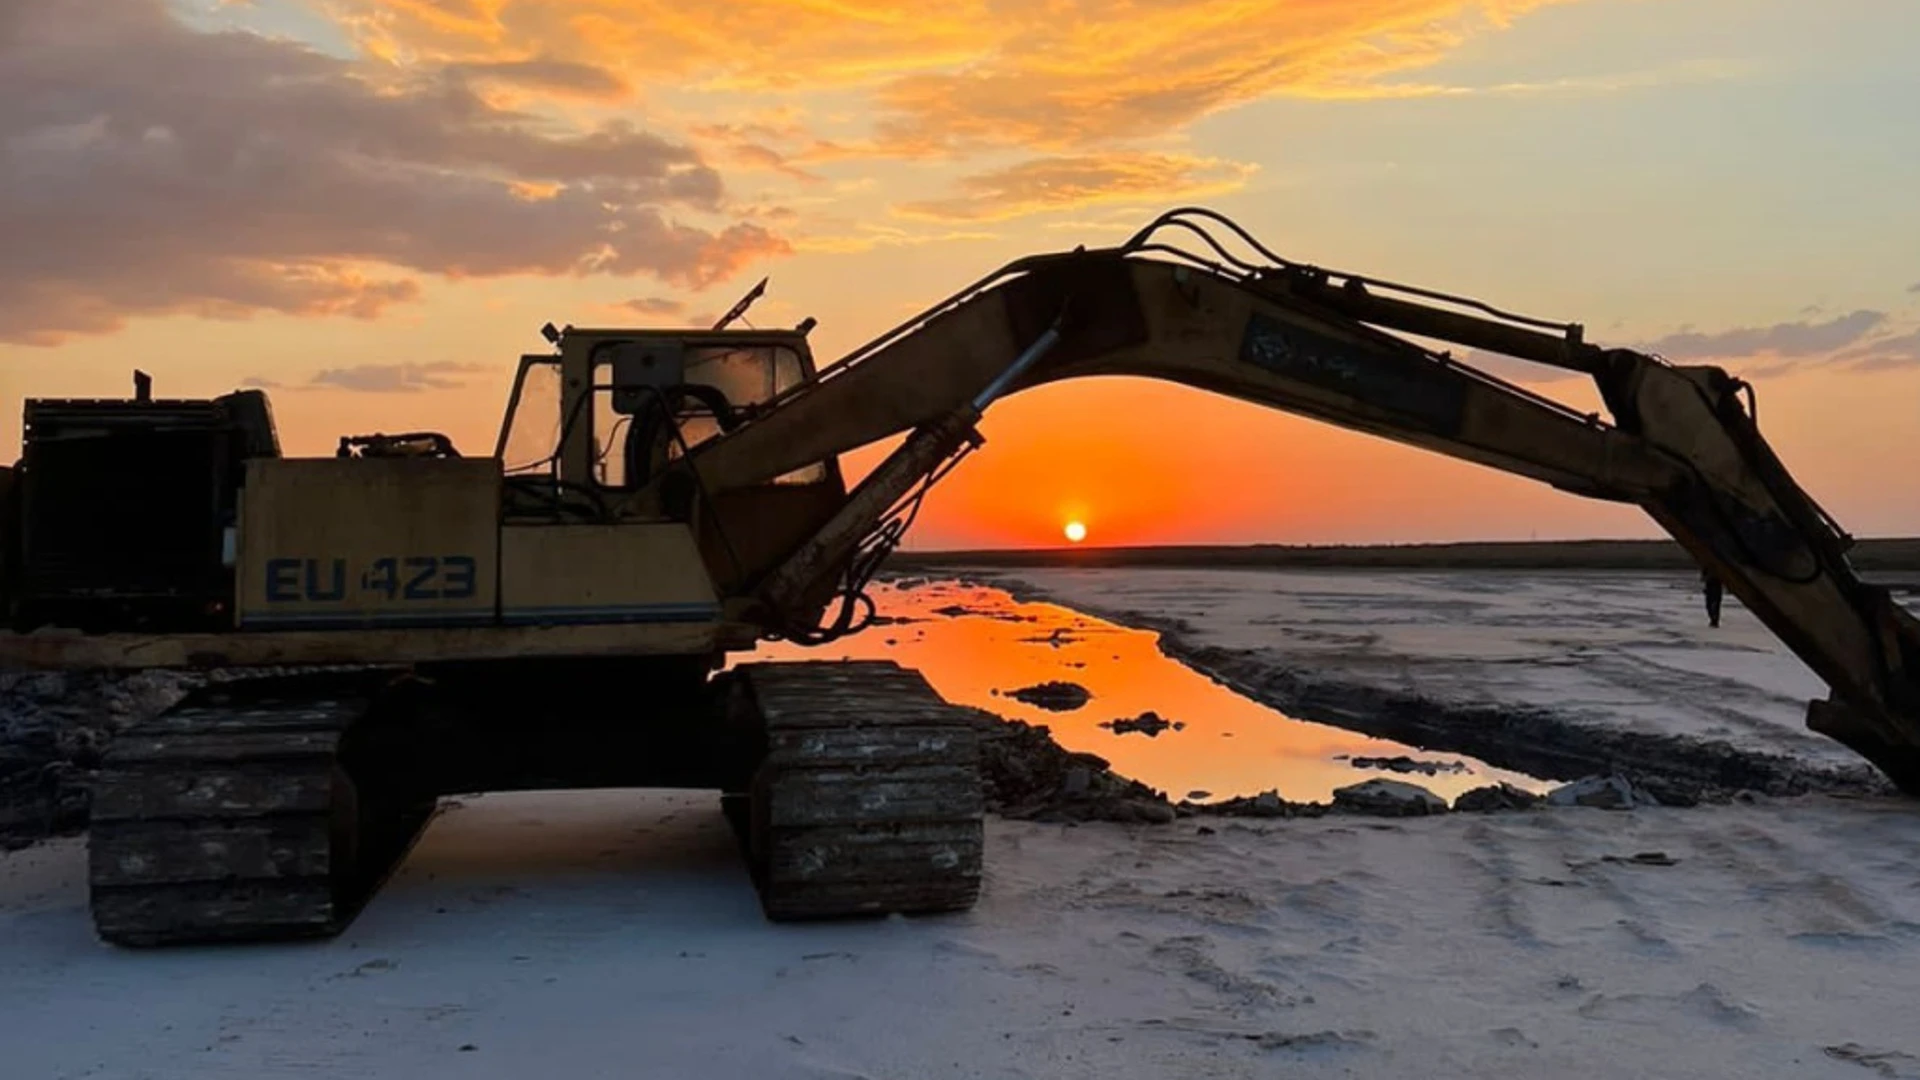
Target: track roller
[
  {"x": 867, "y": 798},
  {"x": 242, "y": 814}
]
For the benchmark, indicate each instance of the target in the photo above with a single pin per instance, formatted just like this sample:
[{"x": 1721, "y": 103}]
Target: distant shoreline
[{"x": 1876, "y": 557}]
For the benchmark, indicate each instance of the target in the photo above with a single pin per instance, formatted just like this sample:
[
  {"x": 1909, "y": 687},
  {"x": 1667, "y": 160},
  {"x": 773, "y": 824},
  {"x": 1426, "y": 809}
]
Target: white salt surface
[{"x": 615, "y": 935}]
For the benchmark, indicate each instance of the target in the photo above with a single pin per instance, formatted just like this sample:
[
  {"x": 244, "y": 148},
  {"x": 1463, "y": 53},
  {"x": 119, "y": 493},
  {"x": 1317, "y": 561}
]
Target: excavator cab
[
  {"x": 590, "y": 428},
  {"x": 612, "y": 407}
]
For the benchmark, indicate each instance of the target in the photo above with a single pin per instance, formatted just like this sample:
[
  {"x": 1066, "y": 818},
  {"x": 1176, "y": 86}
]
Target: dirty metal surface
[
  {"x": 868, "y": 800},
  {"x": 1412, "y": 386},
  {"x": 236, "y": 816}
]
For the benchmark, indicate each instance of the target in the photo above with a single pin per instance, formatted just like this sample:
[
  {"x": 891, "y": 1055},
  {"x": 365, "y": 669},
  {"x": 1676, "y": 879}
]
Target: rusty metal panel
[
  {"x": 329, "y": 543},
  {"x": 1416, "y": 388},
  {"x": 560, "y": 575}
]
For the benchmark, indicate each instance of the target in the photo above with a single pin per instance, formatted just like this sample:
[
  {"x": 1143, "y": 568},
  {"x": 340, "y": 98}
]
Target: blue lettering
[
  {"x": 283, "y": 580},
  {"x": 414, "y": 577},
  {"x": 459, "y": 577},
  {"x": 385, "y": 577},
  {"x": 424, "y": 567},
  {"x": 336, "y": 590}
]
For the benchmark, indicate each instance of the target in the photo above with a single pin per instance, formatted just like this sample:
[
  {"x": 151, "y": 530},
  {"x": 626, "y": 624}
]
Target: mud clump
[
  {"x": 1612, "y": 792},
  {"x": 959, "y": 611},
  {"x": 1028, "y": 776},
  {"x": 1148, "y": 723},
  {"x": 1388, "y": 798},
  {"x": 1495, "y": 798},
  {"x": 53, "y": 727},
  {"x": 1267, "y": 804},
  {"x": 1053, "y": 696},
  {"x": 1405, "y": 764}
]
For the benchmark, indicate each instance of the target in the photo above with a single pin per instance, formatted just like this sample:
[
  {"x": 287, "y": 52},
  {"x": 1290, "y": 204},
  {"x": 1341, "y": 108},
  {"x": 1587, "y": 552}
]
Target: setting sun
[{"x": 1076, "y": 531}]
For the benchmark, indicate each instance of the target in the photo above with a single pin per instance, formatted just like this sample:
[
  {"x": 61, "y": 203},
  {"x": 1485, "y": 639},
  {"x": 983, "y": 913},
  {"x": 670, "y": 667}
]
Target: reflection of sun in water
[{"x": 1076, "y": 531}]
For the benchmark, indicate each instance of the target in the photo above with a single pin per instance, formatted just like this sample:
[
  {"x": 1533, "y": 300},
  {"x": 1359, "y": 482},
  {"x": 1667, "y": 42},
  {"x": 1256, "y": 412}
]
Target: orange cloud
[
  {"x": 854, "y": 237},
  {"x": 785, "y": 90},
  {"x": 952, "y": 74},
  {"x": 1044, "y": 184},
  {"x": 561, "y": 78},
  {"x": 653, "y": 305}
]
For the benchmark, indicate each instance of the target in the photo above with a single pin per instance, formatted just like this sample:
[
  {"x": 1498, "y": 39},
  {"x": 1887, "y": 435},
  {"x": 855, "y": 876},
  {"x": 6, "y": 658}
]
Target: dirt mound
[
  {"x": 1029, "y": 776},
  {"x": 1148, "y": 723},
  {"x": 1053, "y": 696},
  {"x": 52, "y": 730},
  {"x": 1405, "y": 764}
]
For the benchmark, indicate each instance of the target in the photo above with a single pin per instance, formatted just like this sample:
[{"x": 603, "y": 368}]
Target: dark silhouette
[{"x": 1714, "y": 592}]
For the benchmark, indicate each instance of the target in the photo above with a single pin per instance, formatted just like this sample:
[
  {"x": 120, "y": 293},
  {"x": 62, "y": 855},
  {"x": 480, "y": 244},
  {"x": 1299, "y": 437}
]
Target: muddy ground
[
  {"x": 1679, "y": 767},
  {"x": 53, "y": 729}
]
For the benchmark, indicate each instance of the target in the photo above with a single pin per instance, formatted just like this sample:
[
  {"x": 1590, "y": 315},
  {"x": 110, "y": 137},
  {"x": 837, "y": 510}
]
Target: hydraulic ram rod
[
  {"x": 1457, "y": 327},
  {"x": 792, "y": 587}
]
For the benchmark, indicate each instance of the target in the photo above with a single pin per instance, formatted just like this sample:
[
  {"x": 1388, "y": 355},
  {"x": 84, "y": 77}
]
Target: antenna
[{"x": 740, "y": 308}]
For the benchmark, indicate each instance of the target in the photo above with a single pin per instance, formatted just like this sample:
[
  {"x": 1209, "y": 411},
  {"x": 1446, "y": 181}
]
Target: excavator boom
[{"x": 1326, "y": 345}]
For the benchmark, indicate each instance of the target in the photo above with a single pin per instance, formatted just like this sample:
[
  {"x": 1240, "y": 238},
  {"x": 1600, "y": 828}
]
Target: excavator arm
[{"x": 1682, "y": 445}]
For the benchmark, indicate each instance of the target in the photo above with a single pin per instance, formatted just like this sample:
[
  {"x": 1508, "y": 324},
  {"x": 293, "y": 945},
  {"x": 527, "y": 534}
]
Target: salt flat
[
  {"x": 614, "y": 935},
  {"x": 1622, "y": 651}
]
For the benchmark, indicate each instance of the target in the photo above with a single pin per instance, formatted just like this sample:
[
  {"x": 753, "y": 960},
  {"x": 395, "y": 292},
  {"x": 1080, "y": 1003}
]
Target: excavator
[{"x": 400, "y": 621}]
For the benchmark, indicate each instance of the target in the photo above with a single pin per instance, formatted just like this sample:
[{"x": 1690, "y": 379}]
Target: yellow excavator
[{"x": 559, "y": 612}]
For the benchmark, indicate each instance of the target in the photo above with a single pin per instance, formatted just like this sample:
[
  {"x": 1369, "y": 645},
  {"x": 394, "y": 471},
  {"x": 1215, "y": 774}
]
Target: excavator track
[
  {"x": 867, "y": 799},
  {"x": 241, "y": 814}
]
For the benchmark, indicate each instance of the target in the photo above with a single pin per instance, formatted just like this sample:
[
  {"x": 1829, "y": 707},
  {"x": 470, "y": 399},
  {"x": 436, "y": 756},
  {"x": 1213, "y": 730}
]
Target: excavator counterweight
[{"x": 561, "y": 612}]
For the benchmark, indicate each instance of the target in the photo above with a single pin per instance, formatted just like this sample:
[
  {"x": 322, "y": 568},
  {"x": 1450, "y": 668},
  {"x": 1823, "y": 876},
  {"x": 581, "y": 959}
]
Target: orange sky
[{"x": 370, "y": 206}]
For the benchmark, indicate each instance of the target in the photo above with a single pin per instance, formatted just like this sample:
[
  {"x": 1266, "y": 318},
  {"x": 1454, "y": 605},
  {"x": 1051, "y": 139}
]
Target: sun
[{"x": 1076, "y": 531}]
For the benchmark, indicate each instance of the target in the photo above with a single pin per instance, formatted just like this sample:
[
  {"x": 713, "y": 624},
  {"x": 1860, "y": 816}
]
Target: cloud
[
  {"x": 396, "y": 378},
  {"x": 1693, "y": 71},
  {"x": 1786, "y": 340},
  {"x": 752, "y": 155},
  {"x": 1858, "y": 342},
  {"x": 563, "y": 78},
  {"x": 949, "y": 74},
  {"x": 1846, "y": 343},
  {"x": 1058, "y": 183},
  {"x": 654, "y": 305},
  {"x": 1914, "y": 288},
  {"x": 1884, "y": 354},
  {"x": 154, "y": 169},
  {"x": 855, "y": 237}
]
